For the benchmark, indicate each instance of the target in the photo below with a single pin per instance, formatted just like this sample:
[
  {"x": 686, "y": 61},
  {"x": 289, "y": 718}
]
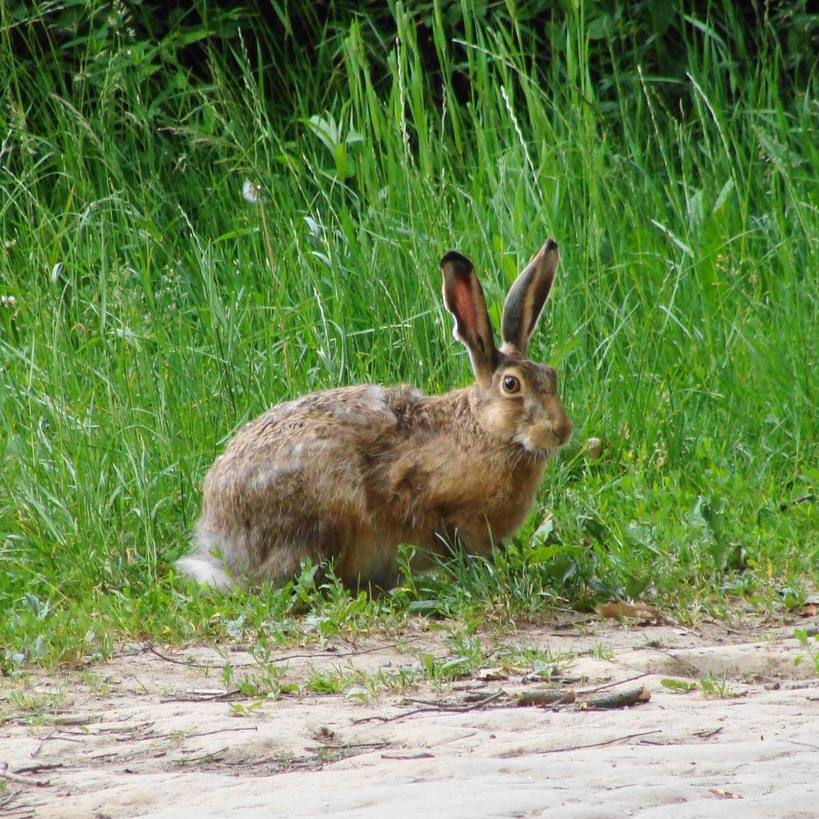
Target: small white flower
[
  {"x": 252, "y": 192},
  {"x": 593, "y": 449},
  {"x": 55, "y": 272},
  {"x": 8, "y": 301}
]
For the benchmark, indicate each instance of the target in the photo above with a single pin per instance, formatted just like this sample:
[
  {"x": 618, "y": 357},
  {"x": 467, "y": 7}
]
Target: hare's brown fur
[{"x": 350, "y": 474}]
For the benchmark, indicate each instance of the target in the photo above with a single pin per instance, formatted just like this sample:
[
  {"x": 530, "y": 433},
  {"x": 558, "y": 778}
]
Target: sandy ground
[{"x": 142, "y": 735}]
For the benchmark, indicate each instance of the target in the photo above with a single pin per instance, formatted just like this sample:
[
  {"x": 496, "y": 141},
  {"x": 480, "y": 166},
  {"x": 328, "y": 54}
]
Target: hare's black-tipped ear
[
  {"x": 463, "y": 297},
  {"x": 525, "y": 301}
]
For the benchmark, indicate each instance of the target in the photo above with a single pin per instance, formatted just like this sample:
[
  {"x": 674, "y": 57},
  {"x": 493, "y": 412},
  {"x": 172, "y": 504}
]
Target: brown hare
[{"x": 350, "y": 474}]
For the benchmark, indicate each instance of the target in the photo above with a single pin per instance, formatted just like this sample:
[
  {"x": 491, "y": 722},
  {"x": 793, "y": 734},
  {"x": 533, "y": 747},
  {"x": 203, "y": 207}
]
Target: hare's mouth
[{"x": 540, "y": 447}]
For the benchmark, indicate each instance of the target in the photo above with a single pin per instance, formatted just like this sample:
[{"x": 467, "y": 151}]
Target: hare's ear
[
  {"x": 525, "y": 301},
  {"x": 463, "y": 297}
]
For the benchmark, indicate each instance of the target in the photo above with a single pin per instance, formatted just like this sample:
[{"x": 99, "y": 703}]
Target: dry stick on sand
[
  {"x": 312, "y": 655},
  {"x": 10, "y": 776},
  {"x": 587, "y": 699},
  {"x": 437, "y": 708},
  {"x": 553, "y": 696},
  {"x": 207, "y": 697},
  {"x": 613, "y": 684},
  {"x": 598, "y": 744},
  {"x": 55, "y": 719},
  {"x": 344, "y": 746},
  {"x": 44, "y": 766},
  {"x": 617, "y": 699},
  {"x": 221, "y": 731}
]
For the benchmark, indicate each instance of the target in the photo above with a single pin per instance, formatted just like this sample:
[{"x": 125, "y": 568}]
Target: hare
[{"x": 349, "y": 474}]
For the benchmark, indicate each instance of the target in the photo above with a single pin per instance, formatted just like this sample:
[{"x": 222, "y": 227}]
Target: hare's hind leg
[
  {"x": 328, "y": 518},
  {"x": 369, "y": 563},
  {"x": 284, "y": 563}
]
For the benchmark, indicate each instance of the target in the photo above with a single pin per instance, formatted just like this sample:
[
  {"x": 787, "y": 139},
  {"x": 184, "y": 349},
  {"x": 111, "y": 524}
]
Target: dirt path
[{"x": 144, "y": 736}]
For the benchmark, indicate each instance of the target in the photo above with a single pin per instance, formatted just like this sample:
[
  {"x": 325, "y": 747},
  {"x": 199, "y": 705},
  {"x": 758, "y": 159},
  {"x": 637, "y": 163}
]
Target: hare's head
[{"x": 516, "y": 399}]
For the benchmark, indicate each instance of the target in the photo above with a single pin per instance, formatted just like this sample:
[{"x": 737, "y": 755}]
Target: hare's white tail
[
  {"x": 204, "y": 566},
  {"x": 205, "y": 570}
]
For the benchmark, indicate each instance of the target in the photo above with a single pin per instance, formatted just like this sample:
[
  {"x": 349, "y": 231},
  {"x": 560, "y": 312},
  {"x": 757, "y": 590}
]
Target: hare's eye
[{"x": 511, "y": 384}]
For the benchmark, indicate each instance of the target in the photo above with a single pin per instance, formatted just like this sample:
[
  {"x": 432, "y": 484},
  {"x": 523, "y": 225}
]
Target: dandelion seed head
[
  {"x": 251, "y": 192},
  {"x": 593, "y": 449}
]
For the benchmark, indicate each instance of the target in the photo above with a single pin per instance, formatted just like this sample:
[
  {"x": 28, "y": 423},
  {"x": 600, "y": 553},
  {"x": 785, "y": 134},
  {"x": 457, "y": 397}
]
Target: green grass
[{"x": 155, "y": 310}]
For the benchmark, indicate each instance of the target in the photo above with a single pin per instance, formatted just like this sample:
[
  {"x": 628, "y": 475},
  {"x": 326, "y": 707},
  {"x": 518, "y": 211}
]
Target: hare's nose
[{"x": 563, "y": 430}]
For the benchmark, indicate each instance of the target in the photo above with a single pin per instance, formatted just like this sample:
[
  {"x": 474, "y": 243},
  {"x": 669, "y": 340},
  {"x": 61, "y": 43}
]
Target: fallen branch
[
  {"x": 617, "y": 699},
  {"x": 545, "y": 697},
  {"x": 10, "y": 776},
  {"x": 613, "y": 684},
  {"x": 44, "y": 766}
]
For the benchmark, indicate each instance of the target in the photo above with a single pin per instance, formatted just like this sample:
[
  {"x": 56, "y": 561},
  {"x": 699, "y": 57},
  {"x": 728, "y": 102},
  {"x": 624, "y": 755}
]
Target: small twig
[
  {"x": 189, "y": 663},
  {"x": 42, "y": 742},
  {"x": 698, "y": 672},
  {"x": 803, "y": 499},
  {"x": 312, "y": 655},
  {"x": 213, "y": 757},
  {"x": 44, "y": 766},
  {"x": 796, "y": 685},
  {"x": 411, "y": 755},
  {"x": 10, "y": 776},
  {"x": 708, "y": 734},
  {"x": 445, "y": 706},
  {"x": 437, "y": 708},
  {"x": 54, "y": 735},
  {"x": 222, "y": 731},
  {"x": 804, "y": 744},
  {"x": 343, "y": 746},
  {"x": 205, "y": 697},
  {"x": 599, "y": 744},
  {"x": 612, "y": 684},
  {"x": 53, "y": 719},
  {"x": 126, "y": 729},
  {"x": 80, "y": 719}
]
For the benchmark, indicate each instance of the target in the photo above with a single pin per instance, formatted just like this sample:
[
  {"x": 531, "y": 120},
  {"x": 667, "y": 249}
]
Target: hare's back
[{"x": 321, "y": 434}]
